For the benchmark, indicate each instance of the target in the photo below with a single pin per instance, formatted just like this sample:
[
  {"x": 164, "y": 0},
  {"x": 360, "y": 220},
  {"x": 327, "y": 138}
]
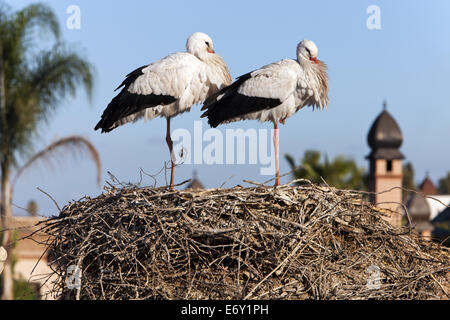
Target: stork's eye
[
  {"x": 309, "y": 52},
  {"x": 207, "y": 43}
]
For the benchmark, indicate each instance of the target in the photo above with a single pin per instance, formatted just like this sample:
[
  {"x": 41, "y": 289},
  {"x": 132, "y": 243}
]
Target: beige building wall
[
  {"x": 31, "y": 256},
  {"x": 426, "y": 235},
  {"x": 387, "y": 186}
]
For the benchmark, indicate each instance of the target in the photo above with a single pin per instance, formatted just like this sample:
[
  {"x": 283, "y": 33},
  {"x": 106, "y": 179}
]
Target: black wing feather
[
  {"x": 233, "y": 104},
  {"x": 235, "y": 85}
]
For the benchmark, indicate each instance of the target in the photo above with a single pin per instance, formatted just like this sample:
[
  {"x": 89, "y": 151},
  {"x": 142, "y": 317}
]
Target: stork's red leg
[
  {"x": 276, "y": 144},
  {"x": 170, "y": 145}
]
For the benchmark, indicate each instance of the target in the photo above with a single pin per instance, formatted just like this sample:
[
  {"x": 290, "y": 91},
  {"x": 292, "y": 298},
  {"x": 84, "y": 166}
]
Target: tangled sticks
[{"x": 241, "y": 243}]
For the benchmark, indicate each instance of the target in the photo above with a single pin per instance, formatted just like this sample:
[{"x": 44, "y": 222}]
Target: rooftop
[
  {"x": 418, "y": 208},
  {"x": 195, "y": 183},
  {"x": 427, "y": 186},
  {"x": 385, "y": 137}
]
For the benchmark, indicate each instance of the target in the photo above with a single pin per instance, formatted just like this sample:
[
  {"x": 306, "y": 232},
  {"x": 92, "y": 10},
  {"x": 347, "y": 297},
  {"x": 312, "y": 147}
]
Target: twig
[{"x": 54, "y": 201}]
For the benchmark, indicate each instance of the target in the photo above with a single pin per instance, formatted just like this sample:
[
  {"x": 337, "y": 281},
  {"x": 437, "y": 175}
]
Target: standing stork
[
  {"x": 168, "y": 87},
  {"x": 273, "y": 93}
]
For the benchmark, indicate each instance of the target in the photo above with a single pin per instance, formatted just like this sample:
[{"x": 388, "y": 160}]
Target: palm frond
[
  {"x": 57, "y": 150},
  {"x": 58, "y": 72},
  {"x": 36, "y": 84},
  {"x": 37, "y": 15},
  {"x": 341, "y": 172},
  {"x": 18, "y": 34},
  {"x": 36, "y": 92},
  {"x": 291, "y": 161}
]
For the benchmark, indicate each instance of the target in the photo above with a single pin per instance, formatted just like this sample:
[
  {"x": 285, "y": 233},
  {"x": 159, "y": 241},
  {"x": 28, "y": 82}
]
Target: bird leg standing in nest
[
  {"x": 172, "y": 156},
  {"x": 276, "y": 145}
]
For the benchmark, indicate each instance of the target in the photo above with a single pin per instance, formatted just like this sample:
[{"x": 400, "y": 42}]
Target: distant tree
[
  {"x": 25, "y": 290},
  {"x": 408, "y": 180},
  {"x": 341, "y": 172},
  {"x": 408, "y": 176},
  {"x": 32, "y": 208},
  {"x": 32, "y": 85},
  {"x": 444, "y": 184}
]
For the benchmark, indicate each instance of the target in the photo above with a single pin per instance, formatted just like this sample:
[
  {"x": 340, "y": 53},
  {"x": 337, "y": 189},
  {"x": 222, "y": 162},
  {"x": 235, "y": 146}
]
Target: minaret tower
[{"x": 385, "y": 170}]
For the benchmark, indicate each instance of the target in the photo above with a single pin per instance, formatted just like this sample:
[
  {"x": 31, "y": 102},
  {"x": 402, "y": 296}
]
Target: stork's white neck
[
  {"x": 202, "y": 55},
  {"x": 318, "y": 73},
  {"x": 216, "y": 62}
]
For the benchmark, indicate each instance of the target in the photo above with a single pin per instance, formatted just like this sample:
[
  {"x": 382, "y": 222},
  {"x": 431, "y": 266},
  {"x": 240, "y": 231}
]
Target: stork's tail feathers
[
  {"x": 216, "y": 104},
  {"x": 213, "y": 120}
]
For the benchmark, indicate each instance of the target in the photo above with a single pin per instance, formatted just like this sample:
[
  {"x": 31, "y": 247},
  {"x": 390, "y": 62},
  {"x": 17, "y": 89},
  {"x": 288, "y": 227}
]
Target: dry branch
[{"x": 257, "y": 243}]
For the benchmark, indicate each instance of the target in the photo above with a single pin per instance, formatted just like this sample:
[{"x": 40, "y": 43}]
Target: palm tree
[
  {"x": 32, "y": 208},
  {"x": 31, "y": 87},
  {"x": 341, "y": 173}
]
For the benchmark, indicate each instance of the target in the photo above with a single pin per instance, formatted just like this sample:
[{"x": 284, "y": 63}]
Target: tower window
[{"x": 389, "y": 165}]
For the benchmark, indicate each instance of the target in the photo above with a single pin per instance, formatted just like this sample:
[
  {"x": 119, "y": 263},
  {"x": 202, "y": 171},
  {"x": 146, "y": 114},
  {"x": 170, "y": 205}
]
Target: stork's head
[
  {"x": 199, "y": 44},
  {"x": 307, "y": 49},
  {"x": 307, "y": 57}
]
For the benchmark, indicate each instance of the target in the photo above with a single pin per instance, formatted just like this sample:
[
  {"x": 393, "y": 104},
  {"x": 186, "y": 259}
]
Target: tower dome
[{"x": 385, "y": 137}]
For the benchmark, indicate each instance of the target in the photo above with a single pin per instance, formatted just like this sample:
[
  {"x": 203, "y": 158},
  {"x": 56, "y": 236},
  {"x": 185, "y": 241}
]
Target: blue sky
[{"x": 406, "y": 62}]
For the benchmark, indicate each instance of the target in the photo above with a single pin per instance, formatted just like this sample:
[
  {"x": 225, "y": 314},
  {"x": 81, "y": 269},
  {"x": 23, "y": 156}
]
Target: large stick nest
[{"x": 241, "y": 243}]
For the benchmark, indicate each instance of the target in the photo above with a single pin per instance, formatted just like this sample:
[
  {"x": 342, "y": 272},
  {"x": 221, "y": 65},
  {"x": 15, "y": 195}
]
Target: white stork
[
  {"x": 168, "y": 87},
  {"x": 273, "y": 93}
]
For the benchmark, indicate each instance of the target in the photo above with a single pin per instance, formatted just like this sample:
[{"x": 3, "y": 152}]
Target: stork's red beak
[
  {"x": 210, "y": 50},
  {"x": 314, "y": 60}
]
